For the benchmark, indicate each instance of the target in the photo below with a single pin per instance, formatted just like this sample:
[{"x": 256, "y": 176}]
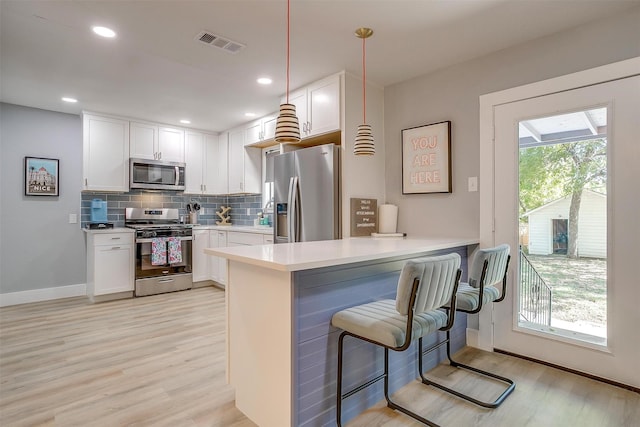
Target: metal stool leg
[{"x": 491, "y": 405}]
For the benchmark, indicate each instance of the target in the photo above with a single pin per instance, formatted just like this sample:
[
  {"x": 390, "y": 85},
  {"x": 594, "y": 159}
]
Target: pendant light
[
  {"x": 364, "y": 145},
  {"x": 287, "y": 126}
]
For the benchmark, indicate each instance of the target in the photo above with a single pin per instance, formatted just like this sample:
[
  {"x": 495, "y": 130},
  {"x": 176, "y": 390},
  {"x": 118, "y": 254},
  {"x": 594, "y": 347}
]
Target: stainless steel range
[{"x": 163, "y": 250}]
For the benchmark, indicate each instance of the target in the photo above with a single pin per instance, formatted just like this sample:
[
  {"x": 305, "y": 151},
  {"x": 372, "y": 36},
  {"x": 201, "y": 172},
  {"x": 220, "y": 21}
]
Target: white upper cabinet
[
  {"x": 220, "y": 174},
  {"x": 261, "y": 130},
  {"x": 318, "y": 106},
  {"x": 144, "y": 141},
  {"x": 202, "y": 164},
  {"x": 171, "y": 144},
  {"x": 245, "y": 164},
  {"x": 194, "y": 154},
  {"x": 211, "y": 165},
  {"x": 155, "y": 142},
  {"x": 105, "y": 151}
]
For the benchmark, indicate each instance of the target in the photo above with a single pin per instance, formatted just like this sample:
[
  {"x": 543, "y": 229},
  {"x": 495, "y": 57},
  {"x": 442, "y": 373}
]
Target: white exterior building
[{"x": 548, "y": 226}]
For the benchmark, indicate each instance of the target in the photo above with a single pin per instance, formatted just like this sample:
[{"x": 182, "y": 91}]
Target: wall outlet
[
  {"x": 248, "y": 211},
  {"x": 473, "y": 183},
  {"x": 73, "y": 218}
]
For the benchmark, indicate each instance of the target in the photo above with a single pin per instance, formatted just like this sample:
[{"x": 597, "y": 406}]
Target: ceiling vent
[{"x": 210, "y": 39}]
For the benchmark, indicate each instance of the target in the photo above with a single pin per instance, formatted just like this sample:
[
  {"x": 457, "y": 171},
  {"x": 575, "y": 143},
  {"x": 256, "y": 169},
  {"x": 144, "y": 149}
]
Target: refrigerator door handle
[
  {"x": 296, "y": 209},
  {"x": 290, "y": 211}
]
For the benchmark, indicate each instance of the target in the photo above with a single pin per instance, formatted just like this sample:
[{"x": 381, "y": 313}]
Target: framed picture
[
  {"x": 41, "y": 177},
  {"x": 426, "y": 159}
]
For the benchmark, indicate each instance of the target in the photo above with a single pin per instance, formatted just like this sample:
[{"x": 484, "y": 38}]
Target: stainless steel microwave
[{"x": 156, "y": 175}]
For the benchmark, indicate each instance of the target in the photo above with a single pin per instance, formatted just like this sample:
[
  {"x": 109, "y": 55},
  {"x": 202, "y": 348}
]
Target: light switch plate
[
  {"x": 473, "y": 183},
  {"x": 73, "y": 218}
]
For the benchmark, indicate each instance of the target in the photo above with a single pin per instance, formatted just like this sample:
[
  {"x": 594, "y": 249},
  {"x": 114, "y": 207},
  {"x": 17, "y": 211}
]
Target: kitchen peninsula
[{"x": 281, "y": 346}]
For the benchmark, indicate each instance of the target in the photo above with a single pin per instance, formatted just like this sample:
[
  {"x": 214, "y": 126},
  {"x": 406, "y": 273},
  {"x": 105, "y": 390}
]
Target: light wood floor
[{"x": 159, "y": 361}]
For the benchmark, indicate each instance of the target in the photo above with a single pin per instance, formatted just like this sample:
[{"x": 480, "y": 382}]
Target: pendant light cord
[
  {"x": 364, "y": 81},
  {"x": 288, "y": 48}
]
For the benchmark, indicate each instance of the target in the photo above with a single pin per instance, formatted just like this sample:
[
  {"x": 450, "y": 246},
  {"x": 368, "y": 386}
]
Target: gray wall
[
  {"x": 39, "y": 249},
  {"x": 453, "y": 94}
]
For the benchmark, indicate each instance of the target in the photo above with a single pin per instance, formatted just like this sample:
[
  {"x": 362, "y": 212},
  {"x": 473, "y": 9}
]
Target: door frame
[{"x": 488, "y": 103}]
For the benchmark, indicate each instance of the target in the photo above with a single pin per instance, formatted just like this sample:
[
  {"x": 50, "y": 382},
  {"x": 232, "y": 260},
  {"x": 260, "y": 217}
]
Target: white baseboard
[
  {"x": 472, "y": 338},
  {"x": 36, "y": 295}
]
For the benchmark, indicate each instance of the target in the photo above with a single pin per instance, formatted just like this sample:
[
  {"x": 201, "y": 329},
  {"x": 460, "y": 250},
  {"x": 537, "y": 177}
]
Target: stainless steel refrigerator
[{"x": 307, "y": 195}]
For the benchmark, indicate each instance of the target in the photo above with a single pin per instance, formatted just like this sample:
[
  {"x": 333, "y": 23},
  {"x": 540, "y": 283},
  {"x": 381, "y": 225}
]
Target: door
[
  {"x": 324, "y": 106},
  {"x": 315, "y": 168},
  {"x": 283, "y": 172},
  {"x": 614, "y": 355},
  {"x": 171, "y": 145}
]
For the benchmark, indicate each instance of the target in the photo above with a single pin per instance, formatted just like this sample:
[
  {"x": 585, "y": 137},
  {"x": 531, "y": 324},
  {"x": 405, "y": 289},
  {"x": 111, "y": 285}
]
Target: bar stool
[
  {"x": 425, "y": 285},
  {"x": 488, "y": 269}
]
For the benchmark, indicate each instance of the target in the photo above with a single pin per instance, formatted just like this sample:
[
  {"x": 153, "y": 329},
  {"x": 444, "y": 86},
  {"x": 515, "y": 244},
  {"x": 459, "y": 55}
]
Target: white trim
[
  {"x": 37, "y": 295},
  {"x": 472, "y": 338},
  {"x": 488, "y": 102}
]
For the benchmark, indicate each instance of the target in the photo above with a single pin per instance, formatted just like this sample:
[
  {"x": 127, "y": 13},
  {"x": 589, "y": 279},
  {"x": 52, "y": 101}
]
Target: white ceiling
[{"x": 155, "y": 70}]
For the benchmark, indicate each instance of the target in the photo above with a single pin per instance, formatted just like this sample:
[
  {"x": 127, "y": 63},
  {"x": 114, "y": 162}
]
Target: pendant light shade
[
  {"x": 364, "y": 144},
  {"x": 287, "y": 125}
]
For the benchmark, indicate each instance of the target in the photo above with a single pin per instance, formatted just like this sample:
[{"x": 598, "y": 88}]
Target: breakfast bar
[{"x": 281, "y": 346}]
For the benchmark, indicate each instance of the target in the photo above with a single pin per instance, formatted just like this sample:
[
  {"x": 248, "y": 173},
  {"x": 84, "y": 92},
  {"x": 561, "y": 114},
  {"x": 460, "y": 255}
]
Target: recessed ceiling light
[
  {"x": 264, "y": 81},
  {"x": 185, "y": 121},
  {"x": 67, "y": 99},
  {"x": 104, "y": 32},
  {"x": 250, "y": 114}
]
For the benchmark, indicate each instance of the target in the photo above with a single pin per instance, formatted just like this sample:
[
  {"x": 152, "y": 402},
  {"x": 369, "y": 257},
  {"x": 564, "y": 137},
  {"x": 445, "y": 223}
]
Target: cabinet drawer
[
  {"x": 113, "y": 239},
  {"x": 244, "y": 238}
]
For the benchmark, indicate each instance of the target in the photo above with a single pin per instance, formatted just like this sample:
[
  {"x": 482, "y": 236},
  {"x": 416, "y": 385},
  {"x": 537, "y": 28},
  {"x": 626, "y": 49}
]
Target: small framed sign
[
  {"x": 364, "y": 217},
  {"x": 41, "y": 177},
  {"x": 426, "y": 159}
]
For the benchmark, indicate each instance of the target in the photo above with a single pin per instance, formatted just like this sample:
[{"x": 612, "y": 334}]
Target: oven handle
[{"x": 183, "y": 238}]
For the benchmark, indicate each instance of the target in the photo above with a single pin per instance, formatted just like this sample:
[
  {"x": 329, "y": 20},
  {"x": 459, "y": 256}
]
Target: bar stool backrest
[
  {"x": 437, "y": 276},
  {"x": 496, "y": 265}
]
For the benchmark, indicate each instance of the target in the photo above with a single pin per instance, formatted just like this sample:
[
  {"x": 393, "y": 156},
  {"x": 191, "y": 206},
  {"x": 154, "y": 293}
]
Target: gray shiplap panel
[{"x": 318, "y": 295}]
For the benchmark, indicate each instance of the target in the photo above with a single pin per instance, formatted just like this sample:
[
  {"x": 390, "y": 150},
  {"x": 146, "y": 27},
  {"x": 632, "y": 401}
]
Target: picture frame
[
  {"x": 426, "y": 159},
  {"x": 41, "y": 176}
]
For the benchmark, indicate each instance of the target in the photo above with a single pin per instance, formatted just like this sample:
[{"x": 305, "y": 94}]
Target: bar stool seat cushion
[
  {"x": 380, "y": 321},
  {"x": 468, "y": 297}
]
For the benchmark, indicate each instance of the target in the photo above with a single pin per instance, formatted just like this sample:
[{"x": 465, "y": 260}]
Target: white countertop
[
  {"x": 326, "y": 253},
  {"x": 238, "y": 228}
]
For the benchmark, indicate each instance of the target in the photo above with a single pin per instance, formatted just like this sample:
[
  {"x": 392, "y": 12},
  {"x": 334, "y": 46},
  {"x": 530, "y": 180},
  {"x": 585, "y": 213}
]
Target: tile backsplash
[{"x": 116, "y": 204}]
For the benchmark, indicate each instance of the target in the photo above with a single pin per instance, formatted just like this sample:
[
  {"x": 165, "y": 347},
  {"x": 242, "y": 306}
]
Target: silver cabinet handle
[
  {"x": 115, "y": 238},
  {"x": 86, "y": 181},
  {"x": 309, "y": 127},
  {"x": 115, "y": 248},
  {"x": 165, "y": 280}
]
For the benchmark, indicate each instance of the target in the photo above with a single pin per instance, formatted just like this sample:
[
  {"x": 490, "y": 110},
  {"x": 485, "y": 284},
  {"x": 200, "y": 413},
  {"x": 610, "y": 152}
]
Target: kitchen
[{"x": 456, "y": 88}]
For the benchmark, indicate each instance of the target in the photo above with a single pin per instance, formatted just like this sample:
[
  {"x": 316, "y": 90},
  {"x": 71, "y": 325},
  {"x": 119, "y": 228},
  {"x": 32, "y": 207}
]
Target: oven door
[{"x": 174, "y": 251}]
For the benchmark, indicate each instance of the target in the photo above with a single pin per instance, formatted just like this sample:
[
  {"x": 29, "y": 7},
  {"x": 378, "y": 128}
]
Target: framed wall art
[
  {"x": 41, "y": 176},
  {"x": 426, "y": 159}
]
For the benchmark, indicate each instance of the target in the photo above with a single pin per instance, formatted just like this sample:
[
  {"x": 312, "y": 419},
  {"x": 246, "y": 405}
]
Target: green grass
[{"x": 579, "y": 287}]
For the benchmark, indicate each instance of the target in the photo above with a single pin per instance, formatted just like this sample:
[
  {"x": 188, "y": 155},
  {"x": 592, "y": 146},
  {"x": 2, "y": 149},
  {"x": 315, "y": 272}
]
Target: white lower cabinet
[
  {"x": 218, "y": 265},
  {"x": 110, "y": 263},
  {"x": 200, "y": 260}
]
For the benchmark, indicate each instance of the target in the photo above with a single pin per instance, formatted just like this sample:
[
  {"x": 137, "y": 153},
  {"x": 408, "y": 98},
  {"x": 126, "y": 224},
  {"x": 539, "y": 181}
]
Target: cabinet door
[
  {"x": 143, "y": 141},
  {"x": 171, "y": 144},
  {"x": 105, "y": 154},
  {"x": 236, "y": 161},
  {"x": 218, "y": 265},
  {"x": 252, "y": 170},
  {"x": 269, "y": 127},
  {"x": 113, "y": 269},
  {"x": 324, "y": 106},
  {"x": 211, "y": 164},
  {"x": 200, "y": 261},
  {"x": 222, "y": 180},
  {"x": 253, "y": 132},
  {"x": 299, "y": 99},
  {"x": 194, "y": 153}
]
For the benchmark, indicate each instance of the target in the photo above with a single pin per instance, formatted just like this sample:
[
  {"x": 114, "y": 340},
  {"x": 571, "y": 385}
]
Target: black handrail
[{"x": 535, "y": 294}]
